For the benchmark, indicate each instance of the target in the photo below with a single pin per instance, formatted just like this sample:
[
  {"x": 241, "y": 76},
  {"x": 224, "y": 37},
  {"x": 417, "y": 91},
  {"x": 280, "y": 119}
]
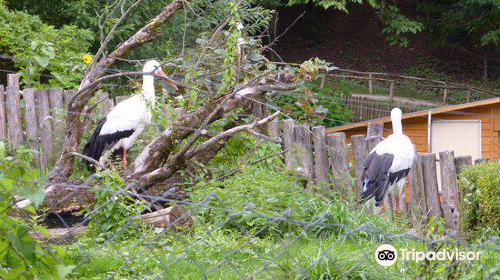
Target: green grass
[
  {"x": 242, "y": 232},
  {"x": 225, "y": 255}
]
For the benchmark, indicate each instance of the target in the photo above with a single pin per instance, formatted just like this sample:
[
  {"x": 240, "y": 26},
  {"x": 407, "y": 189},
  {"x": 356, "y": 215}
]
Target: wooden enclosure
[{"x": 324, "y": 160}]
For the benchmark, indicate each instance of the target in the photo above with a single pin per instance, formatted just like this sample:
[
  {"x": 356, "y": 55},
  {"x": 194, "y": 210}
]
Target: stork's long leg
[{"x": 124, "y": 158}]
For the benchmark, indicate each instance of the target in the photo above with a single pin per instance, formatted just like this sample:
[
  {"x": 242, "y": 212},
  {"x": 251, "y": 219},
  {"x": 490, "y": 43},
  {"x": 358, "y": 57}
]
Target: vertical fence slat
[
  {"x": 449, "y": 188},
  {"x": 274, "y": 129},
  {"x": 339, "y": 160},
  {"x": 288, "y": 142},
  {"x": 370, "y": 84},
  {"x": 417, "y": 190},
  {"x": 3, "y": 120},
  {"x": 303, "y": 138},
  {"x": 445, "y": 93},
  {"x": 56, "y": 109},
  {"x": 431, "y": 185},
  {"x": 391, "y": 92},
  {"x": 31, "y": 118},
  {"x": 45, "y": 127},
  {"x": 13, "y": 106},
  {"x": 359, "y": 150},
  {"x": 320, "y": 155},
  {"x": 461, "y": 161},
  {"x": 375, "y": 129}
]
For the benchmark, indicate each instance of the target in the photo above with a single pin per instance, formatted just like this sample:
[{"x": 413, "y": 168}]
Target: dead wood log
[{"x": 172, "y": 218}]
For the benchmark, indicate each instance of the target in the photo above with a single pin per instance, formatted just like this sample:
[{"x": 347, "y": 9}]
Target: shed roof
[{"x": 433, "y": 111}]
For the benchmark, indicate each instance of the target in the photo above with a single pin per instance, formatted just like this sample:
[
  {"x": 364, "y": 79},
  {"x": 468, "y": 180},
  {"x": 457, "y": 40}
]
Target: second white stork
[
  {"x": 125, "y": 122},
  {"x": 388, "y": 163}
]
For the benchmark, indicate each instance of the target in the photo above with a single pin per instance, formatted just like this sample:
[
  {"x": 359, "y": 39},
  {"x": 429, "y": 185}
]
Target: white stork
[
  {"x": 125, "y": 122},
  {"x": 388, "y": 163}
]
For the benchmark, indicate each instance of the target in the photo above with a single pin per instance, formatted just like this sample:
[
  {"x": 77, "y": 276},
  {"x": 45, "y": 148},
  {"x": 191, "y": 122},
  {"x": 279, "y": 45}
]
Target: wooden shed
[{"x": 468, "y": 129}]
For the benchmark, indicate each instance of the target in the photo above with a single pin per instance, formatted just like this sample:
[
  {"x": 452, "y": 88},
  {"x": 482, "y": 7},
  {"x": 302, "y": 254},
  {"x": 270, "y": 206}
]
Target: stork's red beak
[{"x": 169, "y": 81}]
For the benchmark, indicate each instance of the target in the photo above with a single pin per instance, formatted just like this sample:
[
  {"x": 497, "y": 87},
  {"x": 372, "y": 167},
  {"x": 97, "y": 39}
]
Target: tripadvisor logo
[{"x": 387, "y": 255}]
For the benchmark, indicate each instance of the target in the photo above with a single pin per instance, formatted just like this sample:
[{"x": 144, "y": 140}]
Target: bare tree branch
[{"x": 176, "y": 163}]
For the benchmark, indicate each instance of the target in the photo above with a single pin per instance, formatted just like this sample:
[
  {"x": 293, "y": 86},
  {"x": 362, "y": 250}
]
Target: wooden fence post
[
  {"x": 481, "y": 160},
  {"x": 375, "y": 129},
  {"x": 13, "y": 106},
  {"x": 274, "y": 129},
  {"x": 359, "y": 150},
  {"x": 320, "y": 155},
  {"x": 45, "y": 127},
  {"x": 31, "y": 119},
  {"x": 57, "y": 110},
  {"x": 303, "y": 138},
  {"x": 288, "y": 143},
  {"x": 3, "y": 120},
  {"x": 417, "y": 190},
  {"x": 461, "y": 161},
  {"x": 391, "y": 92},
  {"x": 339, "y": 160},
  {"x": 370, "y": 84},
  {"x": 449, "y": 189},
  {"x": 431, "y": 185},
  {"x": 445, "y": 93}
]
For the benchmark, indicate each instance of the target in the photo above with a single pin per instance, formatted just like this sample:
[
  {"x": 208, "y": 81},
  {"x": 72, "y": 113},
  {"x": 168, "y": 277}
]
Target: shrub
[
  {"x": 21, "y": 255},
  {"x": 52, "y": 51},
  {"x": 479, "y": 187},
  {"x": 114, "y": 214}
]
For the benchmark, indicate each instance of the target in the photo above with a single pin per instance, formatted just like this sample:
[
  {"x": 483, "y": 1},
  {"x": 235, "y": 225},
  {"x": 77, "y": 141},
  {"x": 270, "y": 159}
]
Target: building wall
[{"x": 416, "y": 128}]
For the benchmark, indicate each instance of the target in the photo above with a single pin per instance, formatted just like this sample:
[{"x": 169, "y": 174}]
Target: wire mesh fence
[{"x": 247, "y": 228}]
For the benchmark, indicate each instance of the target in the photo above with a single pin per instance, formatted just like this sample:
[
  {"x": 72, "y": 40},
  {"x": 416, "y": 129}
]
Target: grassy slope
[{"x": 241, "y": 231}]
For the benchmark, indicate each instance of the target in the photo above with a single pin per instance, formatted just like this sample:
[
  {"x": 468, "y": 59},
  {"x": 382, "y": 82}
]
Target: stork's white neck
[
  {"x": 397, "y": 127},
  {"x": 148, "y": 87}
]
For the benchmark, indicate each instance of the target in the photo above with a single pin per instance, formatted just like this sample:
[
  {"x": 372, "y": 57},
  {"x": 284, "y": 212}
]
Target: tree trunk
[{"x": 87, "y": 89}]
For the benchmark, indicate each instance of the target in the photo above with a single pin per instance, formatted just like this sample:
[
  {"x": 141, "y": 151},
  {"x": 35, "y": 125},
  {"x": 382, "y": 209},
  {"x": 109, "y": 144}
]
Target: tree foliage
[
  {"x": 397, "y": 26},
  {"x": 54, "y": 55}
]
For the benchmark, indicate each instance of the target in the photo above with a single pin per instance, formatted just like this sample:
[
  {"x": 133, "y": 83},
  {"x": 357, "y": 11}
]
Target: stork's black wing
[
  {"x": 375, "y": 177},
  {"x": 97, "y": 143}
]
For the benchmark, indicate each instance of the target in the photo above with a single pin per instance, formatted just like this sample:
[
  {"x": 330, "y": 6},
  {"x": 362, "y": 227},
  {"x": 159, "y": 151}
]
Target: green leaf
[
  {"x": 36, "y": 196},
  {"x": 64, "y": 270}
]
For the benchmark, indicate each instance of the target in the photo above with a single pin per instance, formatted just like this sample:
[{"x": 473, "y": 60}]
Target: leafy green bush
[
  {"x": 479, "y": 209},
  {"x": 315, "y": 106},
  {"x": 50, "y": 51},
  {"x": 115, "y": 212},
  {"x": 21, "y": 255}
]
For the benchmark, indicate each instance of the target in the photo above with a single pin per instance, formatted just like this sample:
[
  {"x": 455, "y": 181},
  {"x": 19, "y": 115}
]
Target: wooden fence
[
  {"x": 364, "y": 109},
  {"x": 35, "y": 117},
  {"x": 324, "y": 159}
]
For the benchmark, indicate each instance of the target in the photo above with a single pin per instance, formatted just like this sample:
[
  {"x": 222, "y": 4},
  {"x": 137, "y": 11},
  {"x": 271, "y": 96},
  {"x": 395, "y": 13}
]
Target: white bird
[
  {"x": 125, "y": 122},
  {"x": 388, "y": 163}
]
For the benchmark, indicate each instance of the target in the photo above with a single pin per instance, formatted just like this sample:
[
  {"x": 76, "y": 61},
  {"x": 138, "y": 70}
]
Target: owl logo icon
[{"x": 386, "y": 255}]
